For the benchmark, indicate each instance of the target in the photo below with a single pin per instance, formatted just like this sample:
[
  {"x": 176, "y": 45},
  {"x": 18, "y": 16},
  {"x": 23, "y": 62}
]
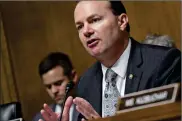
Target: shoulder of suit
[
  {"x": 91, "y": 70},
  {"x": 158, "y": 53},
  {"x": 156, "y": 50},
  {"x": 89, "y": 74},
  {"x": 150, "y": 47}
]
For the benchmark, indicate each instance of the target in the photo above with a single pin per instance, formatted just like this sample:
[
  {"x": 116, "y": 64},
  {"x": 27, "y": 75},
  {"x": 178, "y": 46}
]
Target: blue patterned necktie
[{"x": 111, "y": 94}]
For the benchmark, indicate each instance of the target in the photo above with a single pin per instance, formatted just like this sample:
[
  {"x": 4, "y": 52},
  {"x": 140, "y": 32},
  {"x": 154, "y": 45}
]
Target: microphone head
[{"x": 70, "y": 85}]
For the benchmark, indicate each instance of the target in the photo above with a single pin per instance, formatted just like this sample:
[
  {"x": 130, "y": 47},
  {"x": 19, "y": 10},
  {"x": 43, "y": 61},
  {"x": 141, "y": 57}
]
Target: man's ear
[
  {"x": 74, "y": 76},
  {"x": 123, "y": 21}
]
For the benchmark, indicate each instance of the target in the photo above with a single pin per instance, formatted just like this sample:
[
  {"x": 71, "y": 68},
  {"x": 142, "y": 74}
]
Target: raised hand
[
  {"x": 85, "y": 109},
  {"x": 48, "y": 114}
]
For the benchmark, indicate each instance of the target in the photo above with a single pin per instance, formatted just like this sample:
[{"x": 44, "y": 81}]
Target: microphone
[{"x": 69, "y": 86}]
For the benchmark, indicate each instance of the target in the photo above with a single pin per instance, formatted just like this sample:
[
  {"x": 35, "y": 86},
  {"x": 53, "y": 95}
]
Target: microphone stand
[{"x": 69, "y": 86}]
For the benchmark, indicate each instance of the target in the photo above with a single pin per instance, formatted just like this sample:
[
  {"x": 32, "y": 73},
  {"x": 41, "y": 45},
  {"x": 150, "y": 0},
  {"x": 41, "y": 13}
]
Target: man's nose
[{"x": 87, "y": 31}]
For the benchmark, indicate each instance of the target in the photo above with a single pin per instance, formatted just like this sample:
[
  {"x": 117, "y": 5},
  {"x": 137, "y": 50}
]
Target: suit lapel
[
  {"x": 94, "y": 96},
  {"x": 97, "y": 91},
  {"x": 134, "y": 71}
]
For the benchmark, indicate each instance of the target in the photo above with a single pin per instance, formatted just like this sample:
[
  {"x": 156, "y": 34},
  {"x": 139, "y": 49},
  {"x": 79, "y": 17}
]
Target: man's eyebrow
[
  {"x": 47, "y": 84},
  {"x": 61, "y": 80},
  {"x": 88, "y": 18},
  {"x": 93, "y": 15},
  {"x": 77, "y": 23}
]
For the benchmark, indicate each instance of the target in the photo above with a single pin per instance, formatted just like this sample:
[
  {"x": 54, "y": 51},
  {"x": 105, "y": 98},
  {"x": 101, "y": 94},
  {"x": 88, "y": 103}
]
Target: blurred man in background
[
  {"x": 55, "y": 71},
  {"x": 161, "y": 40}
]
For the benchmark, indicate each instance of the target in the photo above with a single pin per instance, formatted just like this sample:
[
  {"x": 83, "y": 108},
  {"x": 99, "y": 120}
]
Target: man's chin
[
  {"x": 95, "y": 53},
  {"x": 60, "y": 102}
]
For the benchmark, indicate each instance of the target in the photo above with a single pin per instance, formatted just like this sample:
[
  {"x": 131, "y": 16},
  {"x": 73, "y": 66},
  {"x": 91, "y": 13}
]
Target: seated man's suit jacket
[
  {"x": 53, "y": 107},
  {"x": 152, "y": 66},
  {"x": 39, "y": 116}
]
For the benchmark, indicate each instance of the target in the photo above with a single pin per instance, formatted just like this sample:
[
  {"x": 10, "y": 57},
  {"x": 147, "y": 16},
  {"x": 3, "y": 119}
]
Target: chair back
[{"x": 10, "y": 111}]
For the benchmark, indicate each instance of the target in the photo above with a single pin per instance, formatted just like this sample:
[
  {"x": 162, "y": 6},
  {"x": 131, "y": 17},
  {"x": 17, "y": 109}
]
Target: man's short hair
[
  {"x": 117, "y": 9},
  {"x": 56, "y": 59}
]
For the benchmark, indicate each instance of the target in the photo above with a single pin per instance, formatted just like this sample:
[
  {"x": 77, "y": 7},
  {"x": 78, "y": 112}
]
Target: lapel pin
[{"x": 131, "y": 76}]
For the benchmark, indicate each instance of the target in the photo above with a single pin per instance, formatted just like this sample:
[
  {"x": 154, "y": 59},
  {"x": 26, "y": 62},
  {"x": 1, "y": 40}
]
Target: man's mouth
[
  {"x": 59, "y": 98},
  {"x": 92, "y": 43}
]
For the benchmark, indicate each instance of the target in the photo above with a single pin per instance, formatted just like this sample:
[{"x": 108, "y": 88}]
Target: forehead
[
  {"x": 88, "y": 8},
  {"x": 54, "y": 74}
]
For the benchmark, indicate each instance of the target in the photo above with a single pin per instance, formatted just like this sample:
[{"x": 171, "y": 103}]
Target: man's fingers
[
  {"x": 79, "y": 100},
  {"x": 83, "y": 112},
  {"x": 45, "y": 115},
  {"x": 82, "y": 107},
  {"x": 67, "y": 106},
  {"x": 48, "y": 109},
  {"x": 85, "y": 108},
  {"x": 96, "y": 116},
  {"x": 48, "y": 114},
  {"x": 84, "y": 104}
]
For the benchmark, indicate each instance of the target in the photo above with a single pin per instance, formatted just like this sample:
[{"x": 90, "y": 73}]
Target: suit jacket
[
  {"x": 53, "y": 107},
  {"x": 39, "y": 116},
  {"x": 152, "y": 66}
]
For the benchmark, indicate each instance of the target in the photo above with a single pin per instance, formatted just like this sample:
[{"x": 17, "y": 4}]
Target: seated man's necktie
[{"x": 111, "y": 94}]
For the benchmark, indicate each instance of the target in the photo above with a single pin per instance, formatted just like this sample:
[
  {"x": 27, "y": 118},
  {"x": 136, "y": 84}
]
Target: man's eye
[
  {"x": 79, "y": 27},
  {"x": 48, "y": 86},
  {"x": 95, "y": 20},
  {"x": 58, "y": 83}
]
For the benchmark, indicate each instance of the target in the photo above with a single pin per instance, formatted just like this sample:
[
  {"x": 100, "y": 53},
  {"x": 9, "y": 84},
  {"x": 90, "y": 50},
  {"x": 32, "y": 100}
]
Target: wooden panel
[
  {"x": 33, "y": 29},
  {"x": 8, "y": 92}
]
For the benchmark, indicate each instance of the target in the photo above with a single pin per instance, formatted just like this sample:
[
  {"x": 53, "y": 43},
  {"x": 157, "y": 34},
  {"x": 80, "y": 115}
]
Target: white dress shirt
[
  {"x": 58, "y": 109},
  {"x": 120, "y": 67}
]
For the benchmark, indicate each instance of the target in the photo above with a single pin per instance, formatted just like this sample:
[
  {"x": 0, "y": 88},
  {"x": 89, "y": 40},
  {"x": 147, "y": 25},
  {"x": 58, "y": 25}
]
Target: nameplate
[{"x": 148, "y": 98}]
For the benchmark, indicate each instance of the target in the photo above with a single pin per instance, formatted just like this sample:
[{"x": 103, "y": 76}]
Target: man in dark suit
[
  {"x": 103, "y": 29},
  {"x": 56, "y": 70}
]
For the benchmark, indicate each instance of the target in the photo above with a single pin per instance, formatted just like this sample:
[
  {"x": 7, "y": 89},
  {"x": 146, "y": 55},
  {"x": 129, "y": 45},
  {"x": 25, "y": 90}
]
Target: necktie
[{"x": 111, "y": 94}]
